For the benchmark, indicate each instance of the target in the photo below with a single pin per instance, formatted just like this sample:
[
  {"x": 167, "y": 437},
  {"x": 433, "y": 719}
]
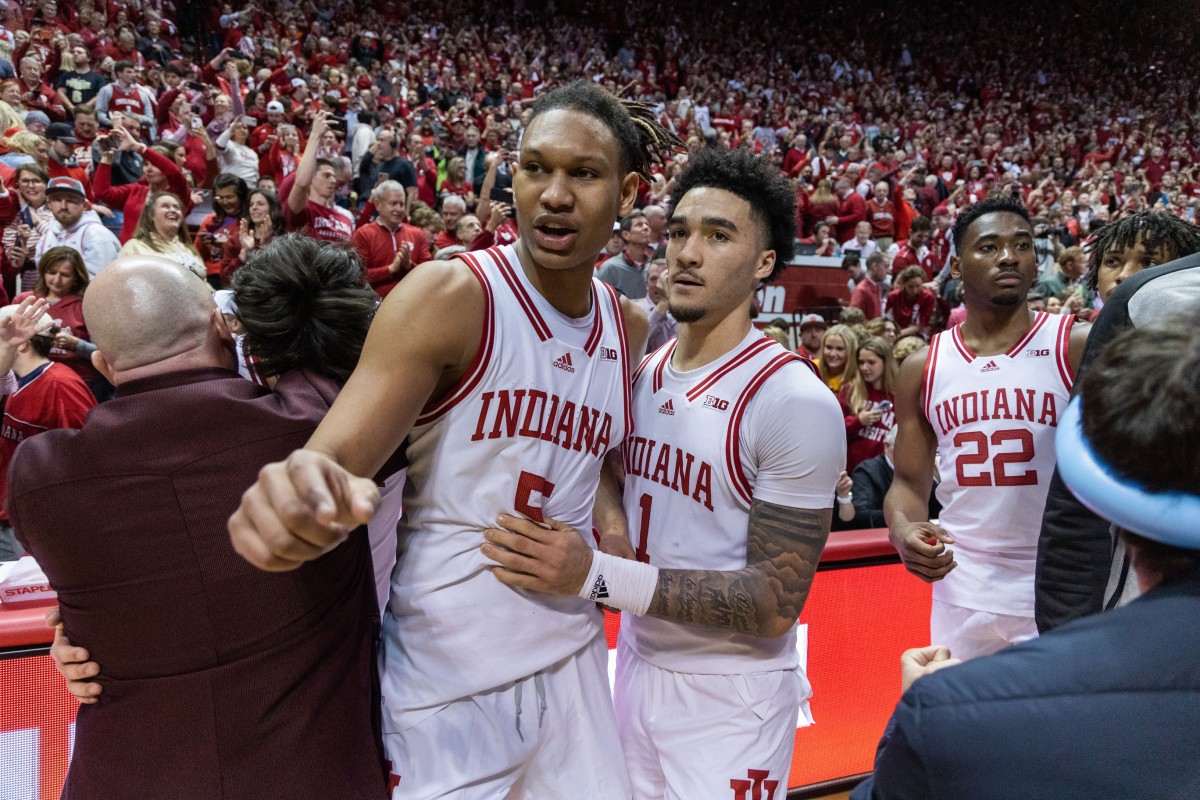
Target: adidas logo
[
  {"x": 599, "y": 589},
  {"x": 667, "y": 408},
  {"x": 564, "y": 363},
  {"x": 991, "y": 366}
]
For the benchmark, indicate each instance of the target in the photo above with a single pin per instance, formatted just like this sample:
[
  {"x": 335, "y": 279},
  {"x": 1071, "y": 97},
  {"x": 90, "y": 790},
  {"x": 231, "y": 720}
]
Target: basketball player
[
  {"x": 732, "y": 504},
  {"x": 987, "y": 395},
  {"x": 512, "y": 407}
]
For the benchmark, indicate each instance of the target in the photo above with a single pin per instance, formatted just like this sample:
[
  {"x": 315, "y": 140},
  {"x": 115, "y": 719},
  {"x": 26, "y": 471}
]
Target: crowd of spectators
[{"x": 202, "y": 133}]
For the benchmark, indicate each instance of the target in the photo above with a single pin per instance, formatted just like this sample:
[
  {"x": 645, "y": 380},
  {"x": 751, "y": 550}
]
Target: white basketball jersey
[
  {"x": 689, "y": 481},
  {"x": 995, "y": 418},
  {"x": 525, "y": 431}
]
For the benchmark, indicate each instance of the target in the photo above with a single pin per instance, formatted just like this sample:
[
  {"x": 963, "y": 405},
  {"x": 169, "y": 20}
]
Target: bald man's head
[{"x": 143, "y": 310}]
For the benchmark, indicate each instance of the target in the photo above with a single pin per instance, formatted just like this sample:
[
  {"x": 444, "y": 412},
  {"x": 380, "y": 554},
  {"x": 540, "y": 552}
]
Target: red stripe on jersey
[
  {"x": 637, "y": 373},
  {"x": 1038, "y": 322},
  {"x": 927, "y": 378},
  {"x": 589, "y": 346},
  {"x": 956, "y": 337},
  {"x": 483, "y": 355},
  {"x": 1062, "y": 351},
  {"x": 518, "y": 289},
  {"x": 623, "y": 337},
  {"x": 741, "y": 358},
  {"x": 658, "y": 370},
  {"x": 733, "y": 456}
]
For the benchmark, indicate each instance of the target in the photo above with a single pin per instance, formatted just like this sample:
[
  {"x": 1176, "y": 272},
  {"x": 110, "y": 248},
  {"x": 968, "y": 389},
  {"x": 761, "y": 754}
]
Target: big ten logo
[
  {"x": 1037, "y": 353},
  {"x": 772, "y": 299},
  {"x": 715, "y": 402},
  {"x": 608, "y": 353},
  {"x": 754, "y": 786}
]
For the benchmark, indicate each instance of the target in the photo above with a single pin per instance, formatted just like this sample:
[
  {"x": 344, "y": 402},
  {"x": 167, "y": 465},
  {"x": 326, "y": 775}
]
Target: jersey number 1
[
  {"x": 999, "y": 476},
  {"x": 645, "y": 502}
]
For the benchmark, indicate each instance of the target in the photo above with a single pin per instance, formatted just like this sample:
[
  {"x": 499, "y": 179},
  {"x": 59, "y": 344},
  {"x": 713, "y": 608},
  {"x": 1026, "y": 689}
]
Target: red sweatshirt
[{"x": 132, "y": 196}]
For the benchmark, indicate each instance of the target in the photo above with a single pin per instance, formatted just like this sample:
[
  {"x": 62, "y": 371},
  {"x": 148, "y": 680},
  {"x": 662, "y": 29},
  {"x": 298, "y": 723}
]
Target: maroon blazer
[{"x": 220, "y": 680}]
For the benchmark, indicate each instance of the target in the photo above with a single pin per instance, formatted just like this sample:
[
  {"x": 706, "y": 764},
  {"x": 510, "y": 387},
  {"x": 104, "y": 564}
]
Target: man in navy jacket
[{"x": 1107, "y": 706}]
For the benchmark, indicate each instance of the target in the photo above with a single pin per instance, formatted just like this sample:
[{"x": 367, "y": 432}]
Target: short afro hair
[
  {"x": 770, "y": 195},
  {"x": 1004, "y": 203},
  {"x": 304, "y": 305}
]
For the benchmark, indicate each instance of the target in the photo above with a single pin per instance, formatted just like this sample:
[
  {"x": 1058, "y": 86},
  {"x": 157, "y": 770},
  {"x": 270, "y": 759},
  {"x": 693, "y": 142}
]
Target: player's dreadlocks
[
  {"x": 1157, "y": 228},
  {"x": 640, "y": 136}
]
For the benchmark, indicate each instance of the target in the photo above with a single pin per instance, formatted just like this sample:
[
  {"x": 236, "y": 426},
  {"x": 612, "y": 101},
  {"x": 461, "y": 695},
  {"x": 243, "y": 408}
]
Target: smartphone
[
  {"x": 884, "y": 405},
  {"x": 197, "y": 123}
]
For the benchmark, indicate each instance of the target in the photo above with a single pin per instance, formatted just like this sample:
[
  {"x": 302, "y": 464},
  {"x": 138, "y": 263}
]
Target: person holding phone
[{"x": 867, "y": 401}]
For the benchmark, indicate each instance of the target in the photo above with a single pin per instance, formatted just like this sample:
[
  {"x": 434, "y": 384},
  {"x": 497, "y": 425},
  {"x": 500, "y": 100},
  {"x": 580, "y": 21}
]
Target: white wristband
[{"x": 620, "y": 583}]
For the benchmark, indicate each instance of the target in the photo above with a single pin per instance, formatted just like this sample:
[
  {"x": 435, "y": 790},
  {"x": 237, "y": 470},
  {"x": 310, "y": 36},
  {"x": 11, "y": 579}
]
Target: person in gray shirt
[{"x": 626, "y": 271}]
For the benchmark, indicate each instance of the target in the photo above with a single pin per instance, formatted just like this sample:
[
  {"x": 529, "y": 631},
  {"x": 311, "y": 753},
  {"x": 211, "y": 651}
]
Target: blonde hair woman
[{"x": 837, "y": 365}]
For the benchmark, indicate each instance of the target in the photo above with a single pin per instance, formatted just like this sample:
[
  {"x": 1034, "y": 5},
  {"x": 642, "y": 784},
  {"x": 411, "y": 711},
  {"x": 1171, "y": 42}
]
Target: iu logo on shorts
[{"x": 753, "y": 786}]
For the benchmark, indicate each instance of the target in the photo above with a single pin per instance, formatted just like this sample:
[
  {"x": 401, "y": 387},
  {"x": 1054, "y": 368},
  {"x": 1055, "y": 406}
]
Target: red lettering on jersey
[
  {"x": 536, "y": 414},
  {"x": 986, "y": 405},
  {"x": 672, "y": 468}
]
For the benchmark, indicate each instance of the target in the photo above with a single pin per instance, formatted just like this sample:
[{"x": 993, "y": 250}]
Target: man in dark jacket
[
  {"x": 254, "y": 684},
  {"x": 1107, "y": 706},
  {"x": 872, "y": 479},
  {"x": 1081, "y": 566}
]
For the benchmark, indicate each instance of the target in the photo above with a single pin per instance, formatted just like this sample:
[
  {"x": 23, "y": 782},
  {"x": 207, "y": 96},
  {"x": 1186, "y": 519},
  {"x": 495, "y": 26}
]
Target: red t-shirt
[
  {"x": 882, "y": 218},
  {"x": 327, "y": 223},
  {"x": 917, "y": 311},
  {"x": 863, "y": 443},
  {"x": 55, "y": 398}
]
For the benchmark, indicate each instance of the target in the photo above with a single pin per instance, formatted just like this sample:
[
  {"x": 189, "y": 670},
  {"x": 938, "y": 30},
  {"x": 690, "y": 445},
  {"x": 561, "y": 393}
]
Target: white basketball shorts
[{"x": 708, "y": 737}]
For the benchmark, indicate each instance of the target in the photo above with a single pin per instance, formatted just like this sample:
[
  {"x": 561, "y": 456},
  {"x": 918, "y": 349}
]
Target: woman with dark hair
[
  {"x": 20, "y": 237},
  {"x": 261, "y": 223},
  {"x": 231, "y": 198},
  {"x": 62, "y": 280},
  {"x": 160, "y": 231}
]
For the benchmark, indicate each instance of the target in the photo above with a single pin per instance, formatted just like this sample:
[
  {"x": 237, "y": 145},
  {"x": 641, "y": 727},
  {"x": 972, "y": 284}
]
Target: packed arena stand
[{"x": 203, "y": 132}]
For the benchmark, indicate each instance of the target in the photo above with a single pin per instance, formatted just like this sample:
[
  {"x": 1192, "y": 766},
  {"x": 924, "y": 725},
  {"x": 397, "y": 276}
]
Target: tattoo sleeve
[{"x": 764, "y": 599}]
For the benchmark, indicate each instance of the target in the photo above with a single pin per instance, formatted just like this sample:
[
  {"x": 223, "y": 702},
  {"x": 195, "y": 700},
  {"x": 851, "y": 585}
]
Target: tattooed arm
[{"x": 766, "y": 597}]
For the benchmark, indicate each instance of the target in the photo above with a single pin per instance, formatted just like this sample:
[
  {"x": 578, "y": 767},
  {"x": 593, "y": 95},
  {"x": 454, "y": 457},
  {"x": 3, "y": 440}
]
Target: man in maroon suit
[{"x": 218, "y": 680}]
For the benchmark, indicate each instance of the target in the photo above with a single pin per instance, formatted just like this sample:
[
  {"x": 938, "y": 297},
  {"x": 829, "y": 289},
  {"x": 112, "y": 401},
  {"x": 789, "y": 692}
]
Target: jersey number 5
[
  {"x": 527, "y": 485},
  {"x": 999, "y": 476}
]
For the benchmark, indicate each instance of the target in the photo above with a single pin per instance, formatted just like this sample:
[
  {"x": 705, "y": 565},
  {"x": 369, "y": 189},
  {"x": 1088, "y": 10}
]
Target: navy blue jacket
[{"x": 1105, "y": 707}]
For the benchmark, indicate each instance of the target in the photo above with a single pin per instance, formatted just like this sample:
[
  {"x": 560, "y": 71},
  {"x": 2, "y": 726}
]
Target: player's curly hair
[
  {"x": 1157, "y": 229},
  {"x": 1001, "y": 203},
  {"x": 640, "y": 136},
  {"x": 771, "y": 196},
  {"x": 304, "y": 305}
]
